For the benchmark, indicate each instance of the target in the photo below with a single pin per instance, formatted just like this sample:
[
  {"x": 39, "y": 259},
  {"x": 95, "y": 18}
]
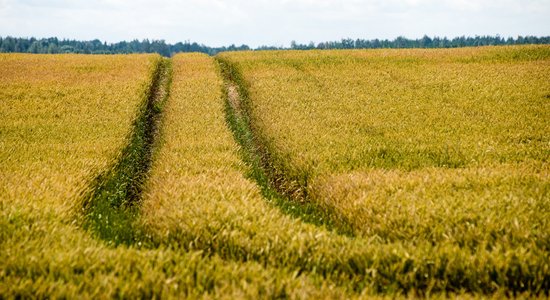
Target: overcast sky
[{"x": 270, "y": 22}]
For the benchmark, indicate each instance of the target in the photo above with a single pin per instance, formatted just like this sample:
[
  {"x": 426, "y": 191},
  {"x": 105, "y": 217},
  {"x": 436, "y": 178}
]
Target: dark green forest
[{"x": 55, "y": 45}]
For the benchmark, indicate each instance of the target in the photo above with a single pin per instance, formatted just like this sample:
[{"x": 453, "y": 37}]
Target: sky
[{"x": 270, "y": 22}]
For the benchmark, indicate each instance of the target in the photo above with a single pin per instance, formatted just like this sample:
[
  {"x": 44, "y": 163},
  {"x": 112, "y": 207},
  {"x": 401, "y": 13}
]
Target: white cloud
[{"x": 219, "y": 22}]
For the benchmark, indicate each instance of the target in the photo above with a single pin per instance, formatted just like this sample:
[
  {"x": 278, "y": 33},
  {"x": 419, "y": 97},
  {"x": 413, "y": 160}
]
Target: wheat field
[{"x": 276, "y": 174}]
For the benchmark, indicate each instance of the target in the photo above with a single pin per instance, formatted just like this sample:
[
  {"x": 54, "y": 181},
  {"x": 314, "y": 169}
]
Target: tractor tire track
[
  {"x": 111, "y": 206},
  {"x": 288, "y": 195}
]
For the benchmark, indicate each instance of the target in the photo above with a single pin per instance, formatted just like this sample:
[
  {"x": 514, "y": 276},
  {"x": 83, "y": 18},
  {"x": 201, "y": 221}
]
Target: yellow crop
[
  {"x": 64, "y": 118},
  {"x": 313, "y": 174}
]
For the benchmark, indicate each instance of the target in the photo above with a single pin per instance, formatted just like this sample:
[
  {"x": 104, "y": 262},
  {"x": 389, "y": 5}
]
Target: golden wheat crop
[
  {"x": 414, "y": 150},
  {"x": 64, "y": 118}
]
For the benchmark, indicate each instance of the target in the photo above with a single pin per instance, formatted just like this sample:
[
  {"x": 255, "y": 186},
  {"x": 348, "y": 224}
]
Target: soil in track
[
  {"x": 288, "y": 196},
  {"x": 111, "y": 206}
]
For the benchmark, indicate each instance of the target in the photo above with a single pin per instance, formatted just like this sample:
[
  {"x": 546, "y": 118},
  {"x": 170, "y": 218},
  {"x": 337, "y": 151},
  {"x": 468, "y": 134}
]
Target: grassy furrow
[
  {"x": 111, "y": 207},
  {"x": 288, "y": 195}
]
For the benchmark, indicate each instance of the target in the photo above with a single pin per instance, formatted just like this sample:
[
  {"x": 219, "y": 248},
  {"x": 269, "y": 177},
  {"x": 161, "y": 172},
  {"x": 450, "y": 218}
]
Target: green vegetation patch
[{"x": 112, "y": 207}]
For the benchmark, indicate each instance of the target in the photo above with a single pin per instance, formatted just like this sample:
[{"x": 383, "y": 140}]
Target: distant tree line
[
  {"x": 424, "y": 42},
  {"x": 55, "y": 45}
]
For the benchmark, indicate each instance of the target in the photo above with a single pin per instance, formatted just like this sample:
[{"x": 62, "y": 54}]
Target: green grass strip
[
  {"x": 275, "y": 188},
  {"x": 111, "y": 208}
]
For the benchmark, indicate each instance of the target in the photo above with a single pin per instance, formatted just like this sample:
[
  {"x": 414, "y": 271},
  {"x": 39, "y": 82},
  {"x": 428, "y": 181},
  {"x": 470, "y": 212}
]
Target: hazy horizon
[{"x": 274, "y": 23}]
